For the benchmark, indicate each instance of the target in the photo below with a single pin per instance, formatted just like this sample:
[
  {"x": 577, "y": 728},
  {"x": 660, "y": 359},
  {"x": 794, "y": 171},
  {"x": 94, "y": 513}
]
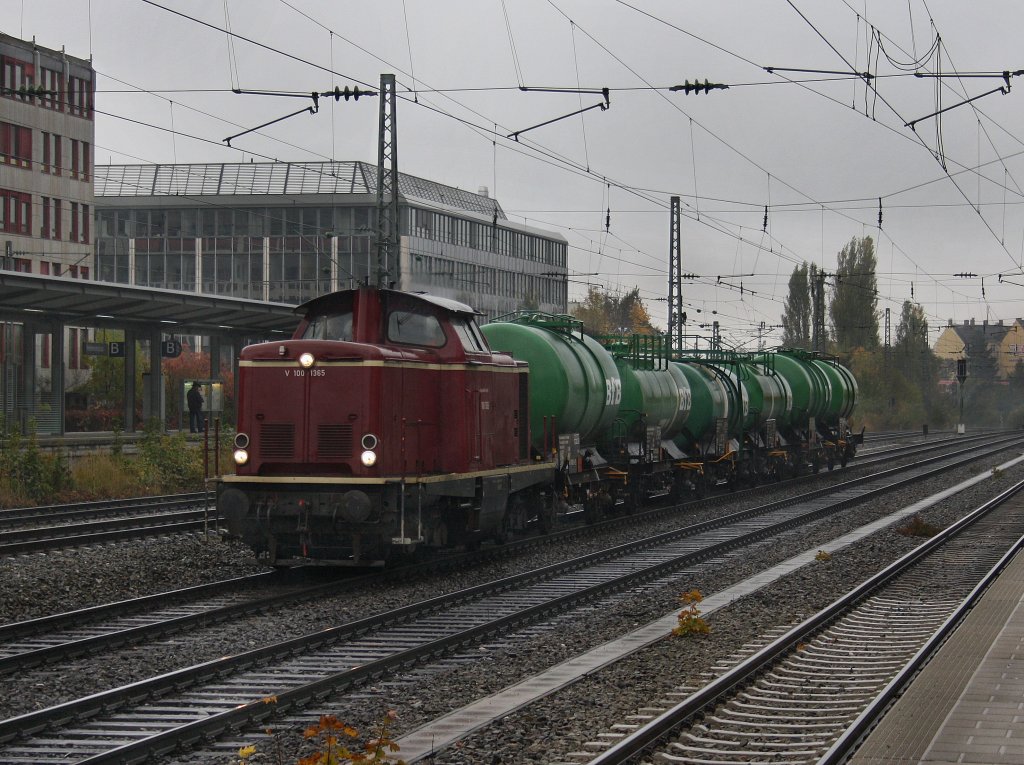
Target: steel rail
[
  {"x": 851, "y": 738},
  {"x": 118, "y": 635},
  {"x": 78, "y": 540},
  {"x": 213, "y": 723},
  {"x": 88, "y": 509},
  {"x": 650, "y": 734}
]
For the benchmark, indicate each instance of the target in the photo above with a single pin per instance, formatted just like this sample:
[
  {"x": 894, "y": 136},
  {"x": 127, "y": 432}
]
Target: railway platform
[{"x": 967, "y": 704}]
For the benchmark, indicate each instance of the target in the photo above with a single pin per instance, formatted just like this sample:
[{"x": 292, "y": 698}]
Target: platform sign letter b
[{"x": 115, "y": 349}]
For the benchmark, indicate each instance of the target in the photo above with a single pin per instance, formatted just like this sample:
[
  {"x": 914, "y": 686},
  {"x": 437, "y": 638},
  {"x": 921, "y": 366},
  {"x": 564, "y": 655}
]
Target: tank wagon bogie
[{"x": 390, "y": 423}]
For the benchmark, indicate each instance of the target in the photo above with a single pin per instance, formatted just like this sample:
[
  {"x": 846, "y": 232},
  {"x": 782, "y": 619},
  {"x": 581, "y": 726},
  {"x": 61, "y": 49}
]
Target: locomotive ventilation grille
[
  {"x": 334, "y": 440},
  {"x": 277, "y": 440}
]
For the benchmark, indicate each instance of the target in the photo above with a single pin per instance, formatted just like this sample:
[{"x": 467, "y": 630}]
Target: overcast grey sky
[{"x": 818, "y": 149}]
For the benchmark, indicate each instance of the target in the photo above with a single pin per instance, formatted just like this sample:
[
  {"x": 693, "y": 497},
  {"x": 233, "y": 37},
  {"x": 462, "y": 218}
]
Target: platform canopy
[{"x": 31, "y": 297}]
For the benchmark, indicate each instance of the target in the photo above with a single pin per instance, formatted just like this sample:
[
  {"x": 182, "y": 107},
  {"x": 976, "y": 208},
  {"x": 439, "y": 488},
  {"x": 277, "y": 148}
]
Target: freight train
[{"x": 391, "y": 423}]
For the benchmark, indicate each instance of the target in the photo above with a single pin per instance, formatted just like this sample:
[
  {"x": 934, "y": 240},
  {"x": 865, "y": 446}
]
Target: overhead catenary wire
[{"x": 494, "y": 144}]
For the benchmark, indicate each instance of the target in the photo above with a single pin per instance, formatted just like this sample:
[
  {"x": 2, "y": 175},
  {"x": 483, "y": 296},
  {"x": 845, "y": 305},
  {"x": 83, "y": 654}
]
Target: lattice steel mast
[
  {"x": 676, "y": 319},
  {"x": 388, "y": 239}
]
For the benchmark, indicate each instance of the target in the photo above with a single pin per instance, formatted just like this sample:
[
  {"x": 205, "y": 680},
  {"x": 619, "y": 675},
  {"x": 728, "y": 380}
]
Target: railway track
[
  {"x": 38, "y": 529},
  {"x": 228, "y": 693},
  {"x": 106, "y": 627},
  {"x": 808, "y": 695},
  {"x": 110, "y": 508}
]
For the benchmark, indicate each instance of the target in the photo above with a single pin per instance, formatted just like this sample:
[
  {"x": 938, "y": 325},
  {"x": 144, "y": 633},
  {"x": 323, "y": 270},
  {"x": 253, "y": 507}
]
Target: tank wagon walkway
[{"x": 967, "y": 705}]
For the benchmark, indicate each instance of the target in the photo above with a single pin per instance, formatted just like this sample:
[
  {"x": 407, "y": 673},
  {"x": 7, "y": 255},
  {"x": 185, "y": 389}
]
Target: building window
[
  {"x": 15, "y": 212},
  {"x": 74, "y": 159},
  {"x": 85, "y": 223},
  {"x": 17, "y": 78},
  {"x": 45, "y": 229},
  {"x": 51, "y": 154},
  {"x": 46, "y": 352},
  {"x": 83, "y": 272},
  {"x": 52, "y": 96},
  {"x": 23, "y": 265},
  {"x": 86, "y": 164},
  {"x": 55, "y": 218},
  {"x": 74, "y": 222},
  {"x": 80, "y": 97},
  {"x": 15, "y": 145}
]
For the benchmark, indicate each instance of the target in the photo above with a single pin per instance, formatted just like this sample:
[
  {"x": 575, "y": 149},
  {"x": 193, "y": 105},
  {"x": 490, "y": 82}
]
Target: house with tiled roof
[{"x": 1004, "y": 341}]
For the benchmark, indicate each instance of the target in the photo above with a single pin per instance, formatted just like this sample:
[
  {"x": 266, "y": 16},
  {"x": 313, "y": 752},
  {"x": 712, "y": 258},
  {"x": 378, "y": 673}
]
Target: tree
[
  {"x": 914, "y": 361},
  {"x": 912, "y": 355},
  {"x": 796, "y": 316},
  {"x": 854, "y": 306},
  {"x": 593, "y": 312},
  {"x": 605, "y": 314}
]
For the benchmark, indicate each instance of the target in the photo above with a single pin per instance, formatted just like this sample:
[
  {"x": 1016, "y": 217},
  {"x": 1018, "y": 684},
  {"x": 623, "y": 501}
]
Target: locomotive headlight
[
  {"x": 241, "y": 456},
  {"x": 369, "y": 458},
  {"x": 306, "y": 360}
]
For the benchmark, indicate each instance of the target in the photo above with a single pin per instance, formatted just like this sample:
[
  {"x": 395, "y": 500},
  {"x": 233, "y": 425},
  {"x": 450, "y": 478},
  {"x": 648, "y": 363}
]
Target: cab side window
[
  {"x": 411, "y": 328},
  {"x": 466, "y": 329}
]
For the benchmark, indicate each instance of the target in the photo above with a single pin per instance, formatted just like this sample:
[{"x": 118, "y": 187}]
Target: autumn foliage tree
[{"x": 603, "y": 313}]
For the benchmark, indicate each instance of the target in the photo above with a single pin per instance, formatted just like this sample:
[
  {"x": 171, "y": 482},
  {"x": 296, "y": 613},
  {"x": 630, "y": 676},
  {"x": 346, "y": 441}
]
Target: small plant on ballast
[
  {"x": 823, "y": 556},
  {"x": 331, "y": 750},
  {"x": 997, "y": 472},
  {"x": 917, "y": 527},
  {"x": 690, "y": 620},
  {"x": 330, "y": 735}
]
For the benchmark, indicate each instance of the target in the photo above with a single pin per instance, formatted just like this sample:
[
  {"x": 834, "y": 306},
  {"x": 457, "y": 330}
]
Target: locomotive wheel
[
  {"x": 546, "y": 517},
  {"x": 633, "y": 499}
]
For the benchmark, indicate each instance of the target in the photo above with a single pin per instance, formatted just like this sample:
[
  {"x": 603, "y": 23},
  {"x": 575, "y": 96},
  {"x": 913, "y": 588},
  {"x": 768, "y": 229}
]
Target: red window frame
[
  {"x": 15, "y": 144},
  {"x": 16, "y": 216}
]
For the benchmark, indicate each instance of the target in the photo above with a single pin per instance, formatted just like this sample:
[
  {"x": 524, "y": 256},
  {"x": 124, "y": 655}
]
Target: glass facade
[
  {"x": 293, "y": 254},
  {"x": 287, "y": 232}
]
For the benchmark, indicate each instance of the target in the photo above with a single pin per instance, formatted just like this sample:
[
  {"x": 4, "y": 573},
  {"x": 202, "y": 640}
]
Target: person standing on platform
[{"x": 195, "y": 409}]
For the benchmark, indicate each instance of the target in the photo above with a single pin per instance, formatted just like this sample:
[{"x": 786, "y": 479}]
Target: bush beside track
[{"x": 164, "y": 464}]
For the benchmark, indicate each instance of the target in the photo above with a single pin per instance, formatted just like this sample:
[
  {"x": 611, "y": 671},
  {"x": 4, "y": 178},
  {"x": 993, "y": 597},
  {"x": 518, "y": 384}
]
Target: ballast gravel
[{"x": 543, "y": 732}]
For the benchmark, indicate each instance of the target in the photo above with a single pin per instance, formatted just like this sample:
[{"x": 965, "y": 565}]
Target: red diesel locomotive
[{"x": 385, "y": 423}]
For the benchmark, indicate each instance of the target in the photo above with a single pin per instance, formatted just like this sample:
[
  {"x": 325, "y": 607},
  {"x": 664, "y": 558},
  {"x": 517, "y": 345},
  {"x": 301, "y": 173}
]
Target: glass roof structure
[{"x": 279, "y": 178}]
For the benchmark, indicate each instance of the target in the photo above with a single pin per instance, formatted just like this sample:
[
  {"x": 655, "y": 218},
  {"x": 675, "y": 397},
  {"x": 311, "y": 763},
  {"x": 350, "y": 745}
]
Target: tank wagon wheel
[
  {"x": 634, "y": 496},
  {"x": 702, "y": 485},
  {"x": 816, "y": 464},
  {"x": 797, "y": 467},
  {"x": 756, "y": 470},
  {"x": 844, "y": 457}
]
